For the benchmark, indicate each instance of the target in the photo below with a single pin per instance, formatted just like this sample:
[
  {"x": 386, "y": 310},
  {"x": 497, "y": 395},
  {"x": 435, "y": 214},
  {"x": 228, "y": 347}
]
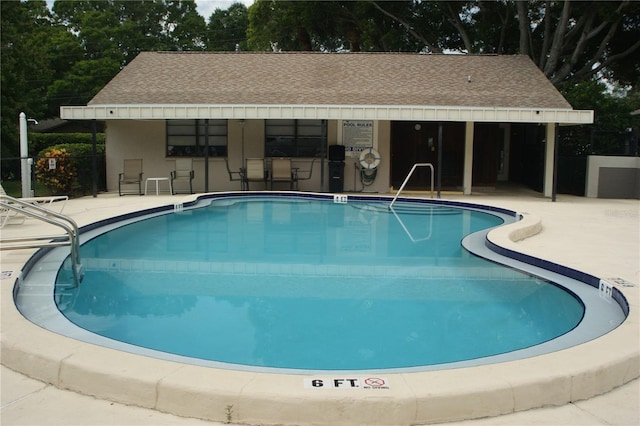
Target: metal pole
[
  {"x": 323, "y": 147},
  {"x": 206, "y": 155},
  {"x": 554, "y": 188},
  {"x": 242, "y": 131},
  {"x": 439, "y": 183},
  {"x": 94, "y": 160},
  {"x": 25, "y": 161}
]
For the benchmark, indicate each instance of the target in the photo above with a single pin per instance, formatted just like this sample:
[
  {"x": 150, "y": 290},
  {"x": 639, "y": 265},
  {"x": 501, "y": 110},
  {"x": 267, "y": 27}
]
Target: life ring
[{"x": 369, "y": 158}]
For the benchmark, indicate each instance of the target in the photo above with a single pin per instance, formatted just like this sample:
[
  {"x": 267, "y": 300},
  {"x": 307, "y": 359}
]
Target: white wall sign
[{"x": 357, "y": 135}]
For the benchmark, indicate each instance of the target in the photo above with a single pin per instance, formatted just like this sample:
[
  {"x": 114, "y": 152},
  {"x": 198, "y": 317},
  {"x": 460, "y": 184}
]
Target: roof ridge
[{"x": 305, "y": 52}]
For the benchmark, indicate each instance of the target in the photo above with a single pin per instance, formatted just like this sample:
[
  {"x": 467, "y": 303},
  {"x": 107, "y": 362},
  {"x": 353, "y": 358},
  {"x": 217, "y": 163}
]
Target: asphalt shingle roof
[{"x": 297, "y": 78}]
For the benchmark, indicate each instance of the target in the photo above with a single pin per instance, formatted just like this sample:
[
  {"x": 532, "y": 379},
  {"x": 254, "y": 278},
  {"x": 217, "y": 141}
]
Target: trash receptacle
[{"x": 336, "y": 176}]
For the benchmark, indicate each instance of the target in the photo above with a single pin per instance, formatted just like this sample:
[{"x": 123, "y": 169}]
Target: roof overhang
[{"x": 329, "y": 112}]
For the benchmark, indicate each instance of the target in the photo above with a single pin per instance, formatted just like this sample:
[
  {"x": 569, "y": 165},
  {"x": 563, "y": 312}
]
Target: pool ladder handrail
[
  {"x": 45, "y": 215},
  {"x": 406, "y": 230},
  {"x": 415, "y": 166}
]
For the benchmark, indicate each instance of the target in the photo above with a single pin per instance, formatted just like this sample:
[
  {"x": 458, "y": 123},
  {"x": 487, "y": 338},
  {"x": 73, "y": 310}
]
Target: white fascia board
[{"x": 330, "y": 112}]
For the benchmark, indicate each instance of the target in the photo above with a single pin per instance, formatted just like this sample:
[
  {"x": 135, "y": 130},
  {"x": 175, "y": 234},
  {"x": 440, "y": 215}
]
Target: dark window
[
  {"x": 293, "y": 138},
  {"x": 186, "y": 138}
]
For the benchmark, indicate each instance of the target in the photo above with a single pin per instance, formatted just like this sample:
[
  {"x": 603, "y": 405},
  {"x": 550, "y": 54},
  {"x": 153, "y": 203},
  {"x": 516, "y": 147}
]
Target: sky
[{"x": 207, "y": 7}]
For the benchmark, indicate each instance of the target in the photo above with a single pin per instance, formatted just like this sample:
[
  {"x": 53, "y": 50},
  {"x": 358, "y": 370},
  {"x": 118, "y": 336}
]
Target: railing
[
  {"x": 406, "y": 230},
  {"x": 409, "y": 177},
  {"x": 9, "y": 204}
]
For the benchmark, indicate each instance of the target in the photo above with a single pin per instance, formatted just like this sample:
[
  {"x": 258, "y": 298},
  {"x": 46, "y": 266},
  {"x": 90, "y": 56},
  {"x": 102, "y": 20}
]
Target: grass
[{"x": 13, "y": 188}]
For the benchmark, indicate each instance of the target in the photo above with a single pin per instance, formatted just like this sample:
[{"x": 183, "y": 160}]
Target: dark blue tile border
[
  {"x": 583, "y": 277},
  {"x": 544, "y": 264},
  {"x": 490, "y": 249}
]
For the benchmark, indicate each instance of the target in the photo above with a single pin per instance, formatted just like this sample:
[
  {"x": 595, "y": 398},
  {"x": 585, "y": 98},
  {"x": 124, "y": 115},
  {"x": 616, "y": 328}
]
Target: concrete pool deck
[{"x": 599, "y": 237}]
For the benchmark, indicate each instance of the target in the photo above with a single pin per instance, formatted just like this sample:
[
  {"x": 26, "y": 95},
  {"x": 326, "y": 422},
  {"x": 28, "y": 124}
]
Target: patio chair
[
  {"x": 9, "y": 216},
  {"x": 303, "y": 174},
  {"x": 132, "y": 174},
  {"x": 182, "y": 173},
  {"x": 254, "y": 171},
  {"x": 281, "y": 171},
  {"x": 235, "y": 176}
]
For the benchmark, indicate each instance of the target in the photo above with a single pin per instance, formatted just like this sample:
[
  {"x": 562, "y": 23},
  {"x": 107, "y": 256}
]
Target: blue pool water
[{"x": 312, "y": 284}]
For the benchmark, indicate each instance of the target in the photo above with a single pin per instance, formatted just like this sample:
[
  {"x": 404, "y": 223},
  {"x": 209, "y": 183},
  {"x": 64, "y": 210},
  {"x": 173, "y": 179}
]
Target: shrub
[
  {"x": 78, "y": 163},
  {"x": 60, "y": 178}
]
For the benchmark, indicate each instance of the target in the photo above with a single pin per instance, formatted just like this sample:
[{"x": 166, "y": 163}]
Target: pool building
[{"x": 479, "y": 119}]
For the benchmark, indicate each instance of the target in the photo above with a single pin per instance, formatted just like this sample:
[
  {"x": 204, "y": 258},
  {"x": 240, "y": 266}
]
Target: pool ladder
[
  {"x": 9, "y": 204},
  {"x": 415, "y": 166}
]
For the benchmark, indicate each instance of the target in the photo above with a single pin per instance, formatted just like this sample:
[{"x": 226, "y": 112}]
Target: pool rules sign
[{"x": 365, "y": 383}]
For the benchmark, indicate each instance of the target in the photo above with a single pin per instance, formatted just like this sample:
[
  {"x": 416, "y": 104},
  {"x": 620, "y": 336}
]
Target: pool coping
[{"x": 250, "y": 397}]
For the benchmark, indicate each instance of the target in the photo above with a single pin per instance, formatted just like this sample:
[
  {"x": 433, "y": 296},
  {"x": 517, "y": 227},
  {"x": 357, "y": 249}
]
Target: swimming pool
[{"x": 327, "y": 279}]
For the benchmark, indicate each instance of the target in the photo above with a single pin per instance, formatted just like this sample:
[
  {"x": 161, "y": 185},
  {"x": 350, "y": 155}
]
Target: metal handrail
[
  {"x": 416, "y": 165},
  {"x": 48, "y": 216},
  {"x": 406, "y": 230}
]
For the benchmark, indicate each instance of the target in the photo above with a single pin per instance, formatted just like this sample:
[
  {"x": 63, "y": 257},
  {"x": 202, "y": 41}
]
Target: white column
[
  {"x": 25, "y": 163},
  {"x": 467, "y": 176},
  {"x": 550, "y": 140}
]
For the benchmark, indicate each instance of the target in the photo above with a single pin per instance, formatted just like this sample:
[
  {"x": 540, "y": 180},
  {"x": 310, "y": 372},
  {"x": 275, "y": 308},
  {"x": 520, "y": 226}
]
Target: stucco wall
[
  {"x": 613, "y": 177},
  {"x": 147, "y": 140}
]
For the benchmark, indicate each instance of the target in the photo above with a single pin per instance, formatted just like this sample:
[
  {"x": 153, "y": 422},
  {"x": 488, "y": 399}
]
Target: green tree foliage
[
  {"x": 112, "y": 33},
  {"x": 66, "y": 57},
  {"x": 326, "y": 26},
  {"x": 612, "y": 120},
  {"x": 227, "y": 29},
  {"x": 25, "y": 65},
  {"x": 568, "y": 40}
]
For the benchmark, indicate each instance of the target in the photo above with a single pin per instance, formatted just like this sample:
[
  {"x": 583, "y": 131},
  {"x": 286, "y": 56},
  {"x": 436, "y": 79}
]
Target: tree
[
  {"x": 612, "y": 119},
  {"x": 568, "y": 40},
  {"x": 25, "y": 69},
  {"x": 66, "y": 57},
  {"x": 227, "y": 29},
  {"x": 325, "y": 26},
  {"x": 112, "y": 33}
]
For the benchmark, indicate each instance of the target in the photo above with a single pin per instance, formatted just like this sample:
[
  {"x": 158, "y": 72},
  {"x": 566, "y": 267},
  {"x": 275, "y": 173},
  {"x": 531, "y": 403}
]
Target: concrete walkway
[
  {"x": 600, "y": 237},
  {"x": 27, "y": 401}
]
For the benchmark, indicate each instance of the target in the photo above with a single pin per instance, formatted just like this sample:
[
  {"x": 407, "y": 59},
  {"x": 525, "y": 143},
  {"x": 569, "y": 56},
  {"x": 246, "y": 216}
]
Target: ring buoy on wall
[{"x": 369, "y": 158}]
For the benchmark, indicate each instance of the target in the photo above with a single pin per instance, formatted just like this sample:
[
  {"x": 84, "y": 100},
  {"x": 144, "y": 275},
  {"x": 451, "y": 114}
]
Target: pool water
[{"x": 313, "y": 285}]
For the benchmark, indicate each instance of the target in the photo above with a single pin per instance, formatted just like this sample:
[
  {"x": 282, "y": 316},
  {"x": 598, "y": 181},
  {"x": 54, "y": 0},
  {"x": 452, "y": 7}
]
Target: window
[
  {"x": 185, "y": 138},
  {"x": 294, "y": 138}
]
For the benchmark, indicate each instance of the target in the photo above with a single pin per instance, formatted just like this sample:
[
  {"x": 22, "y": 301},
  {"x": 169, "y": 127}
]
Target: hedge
[
  {"x": 79, "y": 162},
  {"x": 40, "y": 141}
]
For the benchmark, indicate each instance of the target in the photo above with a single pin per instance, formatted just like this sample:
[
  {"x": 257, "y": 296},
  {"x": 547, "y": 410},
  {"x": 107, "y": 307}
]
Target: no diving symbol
[{"x": 374, "y": 381}]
